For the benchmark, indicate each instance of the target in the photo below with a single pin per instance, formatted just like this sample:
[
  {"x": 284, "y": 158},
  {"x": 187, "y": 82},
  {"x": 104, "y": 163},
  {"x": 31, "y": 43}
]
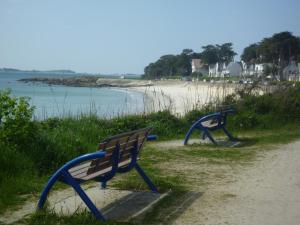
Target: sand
[{"x": 181, "y": 97}]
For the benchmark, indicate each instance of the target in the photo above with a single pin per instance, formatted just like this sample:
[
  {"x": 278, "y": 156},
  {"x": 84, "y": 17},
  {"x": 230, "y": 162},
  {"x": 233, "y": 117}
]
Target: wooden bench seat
[
  {"x": 116, "y": 154},
  {"x": 210, "y": 123}
]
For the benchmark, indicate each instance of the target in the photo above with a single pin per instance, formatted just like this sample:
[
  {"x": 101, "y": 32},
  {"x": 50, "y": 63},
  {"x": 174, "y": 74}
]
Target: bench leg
[
  {"x": 69, "y": 179},
  {"x": 206, "y": 133},
  {"x": 103, "y": 185},
  {"x": 47, "y": 188},
  {"x": 145, "y": 178},
  {"x": 187, "y": 136},
  {"x": 203, "y": 135},
  {"x": 231, "y": 138}
]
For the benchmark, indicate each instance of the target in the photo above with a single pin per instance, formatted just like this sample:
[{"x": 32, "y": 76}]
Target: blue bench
[
  {"x": 211, "y": 122},
  {"x": 117, "y": 154}
]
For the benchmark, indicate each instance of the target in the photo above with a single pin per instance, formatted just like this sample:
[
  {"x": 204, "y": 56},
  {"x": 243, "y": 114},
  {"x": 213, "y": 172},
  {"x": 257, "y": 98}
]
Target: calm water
[{"x": 50, "y": 101}]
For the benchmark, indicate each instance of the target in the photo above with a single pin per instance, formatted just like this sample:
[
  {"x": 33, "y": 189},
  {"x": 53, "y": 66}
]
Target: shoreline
[{"x": 179, "y": 97}]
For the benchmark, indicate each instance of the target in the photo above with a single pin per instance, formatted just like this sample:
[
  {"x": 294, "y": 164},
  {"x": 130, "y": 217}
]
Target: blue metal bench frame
[
  {"x": 63, "y": 175},
  {"x": 219, "y": 119}
]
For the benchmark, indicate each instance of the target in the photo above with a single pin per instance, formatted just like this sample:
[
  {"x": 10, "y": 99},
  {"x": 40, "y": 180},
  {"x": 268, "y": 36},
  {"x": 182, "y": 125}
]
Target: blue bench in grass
[
  {"x": 211, "y": 122},
  {"x": 116, "y": 154}
]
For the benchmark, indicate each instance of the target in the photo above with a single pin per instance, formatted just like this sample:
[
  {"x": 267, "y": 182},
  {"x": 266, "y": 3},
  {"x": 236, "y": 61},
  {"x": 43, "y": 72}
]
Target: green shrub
[
  {"x": 245, "y": 120},
  {"x": 193, "y": 115},
  {"x": 267, "y": 110},
  {"x": 165, "y": 125},
  {"x": 16, "y": 127}
]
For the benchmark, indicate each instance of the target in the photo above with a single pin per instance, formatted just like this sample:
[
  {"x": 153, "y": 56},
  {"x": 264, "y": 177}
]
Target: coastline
[{"x": 179, "y": 97}]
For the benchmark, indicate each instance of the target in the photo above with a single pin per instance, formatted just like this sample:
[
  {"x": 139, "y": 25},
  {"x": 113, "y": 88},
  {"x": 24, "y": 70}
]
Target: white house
[
  {"x": 251, "y": 70},
  {"x": 256, "y": 69},
  {"x": 248, "y": 70},
  {"x": 199, "y": 67},
  {"x": 217, "y": 70},
  {"x": 222, "y": 70},
  {"x": 292, "y": 71},
  {"x": 259, "y": 68}
]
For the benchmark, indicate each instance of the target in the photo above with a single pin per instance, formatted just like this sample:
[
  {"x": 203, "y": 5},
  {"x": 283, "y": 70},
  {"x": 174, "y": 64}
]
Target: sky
[{"x": 124, "y": 36}]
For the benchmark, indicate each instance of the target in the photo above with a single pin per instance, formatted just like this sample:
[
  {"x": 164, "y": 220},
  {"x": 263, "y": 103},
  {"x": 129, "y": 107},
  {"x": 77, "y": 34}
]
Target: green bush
[
  {"x": 267, "y": 110},
  {"x": 165, "y": 125},
  {"x": 245, "y": 120},
  {"x": 16, "y": 127}
]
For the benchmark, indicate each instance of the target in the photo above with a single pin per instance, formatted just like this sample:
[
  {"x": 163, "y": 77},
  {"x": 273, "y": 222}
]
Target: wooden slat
[
  {"x": 80, "y": 166},
  {"x": 96, "y": 174},
  {"x": 210, "y": 123},
  {"x": 127, "y": 134},
  {"x": 126, "y": 141},
  {"x": 124, "y": 163}
]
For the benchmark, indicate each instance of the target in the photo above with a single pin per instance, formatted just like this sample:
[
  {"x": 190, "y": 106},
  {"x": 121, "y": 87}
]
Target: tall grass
[{"x": 183, "y": 97}]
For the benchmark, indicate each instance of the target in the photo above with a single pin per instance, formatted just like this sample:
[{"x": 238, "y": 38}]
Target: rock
[{"x": 88, "y": 81}]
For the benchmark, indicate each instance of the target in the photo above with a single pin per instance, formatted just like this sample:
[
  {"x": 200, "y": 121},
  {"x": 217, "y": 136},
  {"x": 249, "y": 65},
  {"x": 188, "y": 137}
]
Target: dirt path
[{"x": 267, "y": 192}]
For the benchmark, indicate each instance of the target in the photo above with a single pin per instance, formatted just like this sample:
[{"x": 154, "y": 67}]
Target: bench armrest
[
  {"x": 209, "y": 117},
  {"x": 152, "y": 137},
  {"x": 229, "y": 111}
]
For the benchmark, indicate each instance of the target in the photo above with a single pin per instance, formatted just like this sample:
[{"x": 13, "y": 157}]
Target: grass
[
  {"x": 51, "y": 218},
  {"x": 18, "y": 189},
  {"x": 283, "y": 135},
  {"x": 235, "y": 154}
]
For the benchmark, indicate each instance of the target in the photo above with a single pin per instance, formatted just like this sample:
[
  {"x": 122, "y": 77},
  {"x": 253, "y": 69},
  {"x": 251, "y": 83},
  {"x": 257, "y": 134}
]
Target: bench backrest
[
  {"x": 121, "y": 150},
  {"x": 217, "y": 119}
]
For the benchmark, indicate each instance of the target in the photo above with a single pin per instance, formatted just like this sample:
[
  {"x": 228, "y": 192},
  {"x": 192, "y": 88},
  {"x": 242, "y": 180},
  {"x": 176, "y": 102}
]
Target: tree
[
  {"x": 168, "y": 66},
  {"x": 250, "y": 54},
  {"x": 281, "y": 48},
  {"x": 278, "y": 49},
  {"x": 180, "y": 65},
  {"x": 209, "y": 55},
  {"x": 225, "y": 53},
  {"x": 183, "y": 65},
  {"x": 267, "y": 70},
  {"x": 187, "y": 51}
]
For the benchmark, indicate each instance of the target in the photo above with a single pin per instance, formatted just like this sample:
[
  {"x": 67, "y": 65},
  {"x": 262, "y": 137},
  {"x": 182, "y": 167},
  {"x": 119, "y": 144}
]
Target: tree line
[
  {"x": 278, "y": 50},
  {"x": 180, "y": 65}
]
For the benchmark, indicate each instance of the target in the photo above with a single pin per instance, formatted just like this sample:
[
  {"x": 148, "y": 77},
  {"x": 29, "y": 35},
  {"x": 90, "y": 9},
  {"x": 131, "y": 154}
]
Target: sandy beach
[
  {"x": 182, "y": 96},
  {"x": 175, "y": 95}
]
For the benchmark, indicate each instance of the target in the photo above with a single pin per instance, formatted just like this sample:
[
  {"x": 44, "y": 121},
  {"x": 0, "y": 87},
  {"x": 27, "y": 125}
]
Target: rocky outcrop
[{"x": 88, "y": 81}]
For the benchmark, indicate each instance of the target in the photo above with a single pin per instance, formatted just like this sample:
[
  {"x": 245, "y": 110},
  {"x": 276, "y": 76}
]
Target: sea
[{"x": 63, "y": 101}]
